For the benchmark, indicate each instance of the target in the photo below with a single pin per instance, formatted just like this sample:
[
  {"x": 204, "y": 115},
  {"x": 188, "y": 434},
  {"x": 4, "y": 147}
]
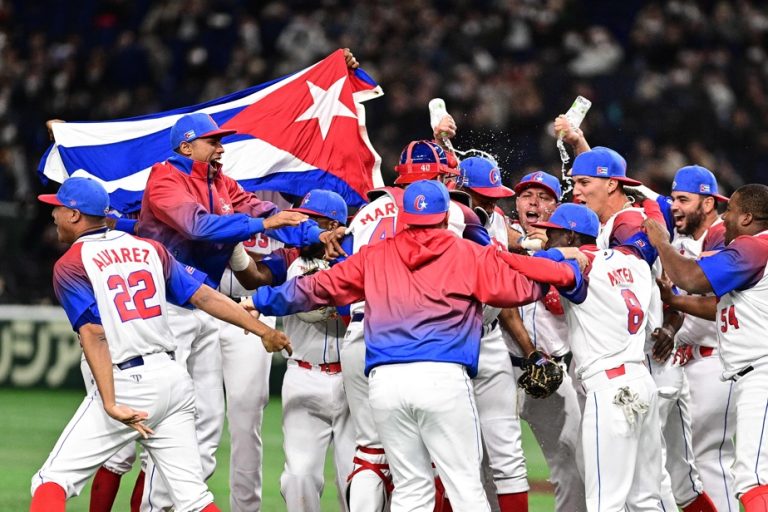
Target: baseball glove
[
  {"x": 541, "y": 377},
  {"x": 321, "y": 314}
]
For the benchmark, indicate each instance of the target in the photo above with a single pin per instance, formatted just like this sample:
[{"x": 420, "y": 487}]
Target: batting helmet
[{"x": 423, "y": 160}]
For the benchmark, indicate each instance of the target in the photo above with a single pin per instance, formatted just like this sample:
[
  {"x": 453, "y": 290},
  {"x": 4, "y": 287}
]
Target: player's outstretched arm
[
  {"x": 684, "y": 272},
  {"x": 698, "y": 306},
  {"x": 96, "y": 350},
  {"x": 220, "y": 306},
  {"x": 250, "y": 273},
  {"x": 511, "y": 321}
]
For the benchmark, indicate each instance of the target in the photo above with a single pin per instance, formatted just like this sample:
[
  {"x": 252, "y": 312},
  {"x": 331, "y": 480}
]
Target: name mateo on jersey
[
  {"x": 389, "y": 209},
  {"x": 107, "y": 257},
  {"x": 620, "y": 276}
]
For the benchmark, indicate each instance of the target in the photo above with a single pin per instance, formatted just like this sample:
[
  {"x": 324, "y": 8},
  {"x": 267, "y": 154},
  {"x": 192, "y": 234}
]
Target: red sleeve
[
  {"x": 627, "y": 224},
  {"x": 715, "y": 239},
  {"x": 246, "y": 202},
  {"x": 541, "y": 270},
  {"x": 340, "y": 285},
  {"x": 170, "y": 200},
  {"x": 499, "y": 284},
  {"x": 652, "y": 210}
]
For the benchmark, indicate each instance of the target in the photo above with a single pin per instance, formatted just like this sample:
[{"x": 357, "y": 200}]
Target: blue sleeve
[
  {"x": 89, "y": 316},
  {"x": 182, "y": 282},
  {"x": 737, "y": 267},
  {"x": 578, "y": 293},
  {"x": 478, "y": 234},
  {"x": 306, "y": 233},
  {"x": 126, "y": 225},
  {"x": 278, "y": 266},
  {"x": 642, "y": 245},
  {"x": 348, "y": 244},
  {"x": 74, "y": 291},
  {"x": 665, "y": 205},
  {"x": 277, "y": 300}
]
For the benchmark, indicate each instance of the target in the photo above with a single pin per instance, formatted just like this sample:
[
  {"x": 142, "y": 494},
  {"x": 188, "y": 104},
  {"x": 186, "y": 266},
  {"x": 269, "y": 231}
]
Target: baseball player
[
  {"x": 370, "y": 482},
  {"x": 698, "y": 230},
  {"x": 114, "y": 289},
  {"x": 600, "y": 179},
  {"x": 200, "y": 214},
  {"x": 246, "y": 370},
  {"x": 424, "y": 322},
  {"x": 315, "y": 411},
  {"x": 106, "y": 480},
  {"x": 540, "y": 328},
  {"x": 620, "y": 428},
  {"x": 497, "y": 407},
  {"x": 736, "y": 285}
]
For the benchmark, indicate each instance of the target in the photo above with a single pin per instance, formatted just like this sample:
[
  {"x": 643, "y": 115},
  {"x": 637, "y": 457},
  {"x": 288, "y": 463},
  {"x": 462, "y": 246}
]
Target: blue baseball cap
[
  {"x": 602, "y": 162},
  {"x": 482, "y": 176},
  {"x": 543, "y": 180},
  {"x": 425, "y": 202},
  {"x": 573, "y": 217},
  {"x": 82, "y": 194},
  {"x": 325, "y": 204},
  {"x": 195, "y": 126},
  {"x": 696, "y": 179}
]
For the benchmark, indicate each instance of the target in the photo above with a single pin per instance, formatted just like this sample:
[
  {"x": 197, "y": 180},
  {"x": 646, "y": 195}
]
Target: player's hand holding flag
[{"x": 296, "y": 133}]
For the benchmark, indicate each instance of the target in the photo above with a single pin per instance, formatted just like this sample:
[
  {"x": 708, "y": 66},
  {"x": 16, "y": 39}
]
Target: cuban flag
[{"x": 296, "y": 133}]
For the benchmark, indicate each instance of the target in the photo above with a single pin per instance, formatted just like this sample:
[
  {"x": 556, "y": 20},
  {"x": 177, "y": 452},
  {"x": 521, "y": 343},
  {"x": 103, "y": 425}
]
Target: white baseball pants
[
  {"x": 622, "y": 461},
  {"x": 425, "y": 412},
  {"x": 246, "y": 366},
  {"x": 367, "y": 489},
  {"x": 165, "y": 391},
  {"x": 315, "y": 414},
  {"x": 197, "y": 339}
]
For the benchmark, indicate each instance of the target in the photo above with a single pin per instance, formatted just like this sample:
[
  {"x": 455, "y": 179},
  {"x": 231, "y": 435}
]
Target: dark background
[{"x": 672, "y": 83}]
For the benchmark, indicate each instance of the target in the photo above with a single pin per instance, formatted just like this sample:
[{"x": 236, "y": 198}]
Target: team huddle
[{"x": 624, "y": 327}]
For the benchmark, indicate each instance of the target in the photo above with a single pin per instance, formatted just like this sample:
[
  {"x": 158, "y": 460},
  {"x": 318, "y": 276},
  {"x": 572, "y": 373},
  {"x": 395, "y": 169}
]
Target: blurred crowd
[{"x": 671, "y": 82}]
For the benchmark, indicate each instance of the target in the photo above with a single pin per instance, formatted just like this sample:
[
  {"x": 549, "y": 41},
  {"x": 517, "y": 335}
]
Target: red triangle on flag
[{"x": 314, "y": 118}]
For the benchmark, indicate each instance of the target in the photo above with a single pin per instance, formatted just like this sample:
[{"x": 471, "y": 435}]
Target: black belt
[
  {"x": 138, "y": 361},
  {"x": 742, "y": 373},
  {"x": 358, "y": 317}
]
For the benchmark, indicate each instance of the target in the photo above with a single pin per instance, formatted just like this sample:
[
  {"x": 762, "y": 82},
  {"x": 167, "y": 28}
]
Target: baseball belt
[
  {"x": 138, "y": 361},
  {"x": 329, "y": 368}
]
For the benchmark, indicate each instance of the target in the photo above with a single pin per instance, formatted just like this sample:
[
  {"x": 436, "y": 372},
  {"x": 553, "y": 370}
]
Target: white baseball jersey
[
  {"x": 545, "y": 320},
  {"x": 607, "y": 314},
  {"x": 377, "y": 221},
  {"x": 497, "y": 229},
  {"x": 113, "y": 278},
  {"x": 739, "y": 277},
  {"x": 315, "y": 342},
  {"x": 698, "y": 331}
]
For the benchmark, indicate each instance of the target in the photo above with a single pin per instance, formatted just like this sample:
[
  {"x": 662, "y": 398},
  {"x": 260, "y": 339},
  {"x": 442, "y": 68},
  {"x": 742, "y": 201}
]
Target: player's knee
[{"x": 301, "y": 483}]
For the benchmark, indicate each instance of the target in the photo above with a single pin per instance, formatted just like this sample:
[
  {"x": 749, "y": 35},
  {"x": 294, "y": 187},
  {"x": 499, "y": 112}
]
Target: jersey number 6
[
  {"x": 635, "y": 312},
  {"x": 134, "y": 307}
]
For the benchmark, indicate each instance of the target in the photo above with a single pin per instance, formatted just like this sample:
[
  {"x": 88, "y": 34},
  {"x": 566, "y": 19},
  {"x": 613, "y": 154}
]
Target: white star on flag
[{"x": 326, "y": 105}]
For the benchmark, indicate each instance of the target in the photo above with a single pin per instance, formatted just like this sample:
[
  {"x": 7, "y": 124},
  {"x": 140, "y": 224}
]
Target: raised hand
[{"x": 283, "y": 219}]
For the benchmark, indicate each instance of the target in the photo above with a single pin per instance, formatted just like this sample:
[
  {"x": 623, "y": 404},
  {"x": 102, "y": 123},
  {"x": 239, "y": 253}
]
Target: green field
[{"x": 33, "y": 419}]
